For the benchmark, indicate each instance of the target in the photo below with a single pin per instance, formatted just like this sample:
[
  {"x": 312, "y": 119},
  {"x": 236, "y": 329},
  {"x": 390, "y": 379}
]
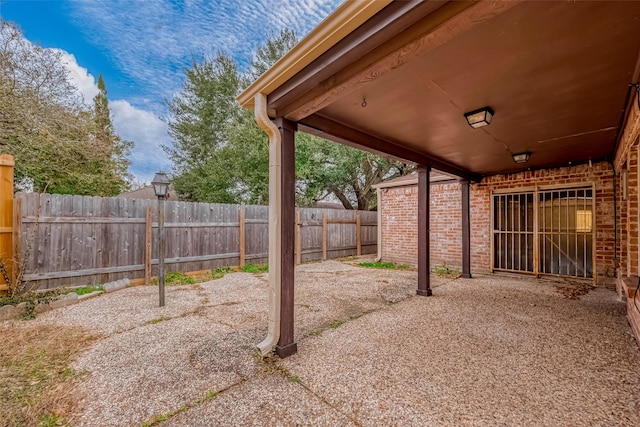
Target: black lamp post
[{"x": 161, "y": 188}]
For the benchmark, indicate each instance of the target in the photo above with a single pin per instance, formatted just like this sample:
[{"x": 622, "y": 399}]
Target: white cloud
[
  {"x": 80, "y": 77},
  {"x": 151, "y": 45},
  {"x": 144, "y": 128},
  {"x": 148, "y": 132}
]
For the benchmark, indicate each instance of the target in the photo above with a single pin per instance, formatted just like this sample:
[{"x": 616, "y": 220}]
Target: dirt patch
[
  {"x": 571, "y": 290},
  {"x": 36, "y": 383}
]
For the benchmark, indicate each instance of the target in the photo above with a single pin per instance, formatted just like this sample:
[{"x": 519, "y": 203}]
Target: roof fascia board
[
  {"x": 349, "y": 16},
  {"x": 440, "y": 179},
  {"x": 390, "y": 184}
]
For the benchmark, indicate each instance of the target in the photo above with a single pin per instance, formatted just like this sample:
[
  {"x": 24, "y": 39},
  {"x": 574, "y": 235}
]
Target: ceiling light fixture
[
  {"x": 521, "y": 157},
  {"x": 479, "y": 118}
]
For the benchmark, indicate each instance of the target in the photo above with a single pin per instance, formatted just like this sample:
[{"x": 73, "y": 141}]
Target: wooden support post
[
  {"x": 466, "y": 231},
  {"x": 324, "y": 236},
  {"x": 286, "y": 345},
  {"x": 298, "y": 238},
  {"x": 424, "y": 262},
  {"x": 242, "y": 237},
  {"x": 6, "y": 216},
  {"x": 148, "y": 234},
  {"x": 17, "y": 240},
  {"x": 358, "y": 236}
]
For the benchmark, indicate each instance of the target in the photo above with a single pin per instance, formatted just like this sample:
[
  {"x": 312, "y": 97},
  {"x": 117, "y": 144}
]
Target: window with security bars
[
  {"x": 554, "y": 227},
  {"x": 513, "y": 234},
  {"x": 566, "y": 226}
]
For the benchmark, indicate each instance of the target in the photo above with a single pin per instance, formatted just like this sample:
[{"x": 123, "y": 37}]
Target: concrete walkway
[{"x": 480, "y": 352}]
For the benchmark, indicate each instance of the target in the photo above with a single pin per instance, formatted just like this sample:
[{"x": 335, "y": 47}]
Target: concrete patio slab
[{"x": 484, "y": 351}]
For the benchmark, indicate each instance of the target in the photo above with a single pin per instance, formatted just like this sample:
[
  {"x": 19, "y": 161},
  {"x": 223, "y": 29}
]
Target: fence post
[
  {"x": 324, "y": 236},
  {"x": 298, "y": 238},
  {"x": 358, "y": 235},
  {"x": 6, "y": 215},
  {"x": 148, "y": 233},
  {"x": 17, "y": 240},
  {"x": 242, "y": 238}
]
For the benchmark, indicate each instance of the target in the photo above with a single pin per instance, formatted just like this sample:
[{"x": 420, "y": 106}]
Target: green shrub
[
  {"x": 255, "y": 268},
  {"x": 219, "y": 272}
]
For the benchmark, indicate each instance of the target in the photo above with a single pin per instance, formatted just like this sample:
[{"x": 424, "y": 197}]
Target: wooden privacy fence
[{"x": 78, "y": 240}]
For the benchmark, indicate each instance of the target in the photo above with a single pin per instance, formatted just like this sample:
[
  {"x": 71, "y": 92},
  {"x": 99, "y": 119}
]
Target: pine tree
[{"x": 112, "y": 162}]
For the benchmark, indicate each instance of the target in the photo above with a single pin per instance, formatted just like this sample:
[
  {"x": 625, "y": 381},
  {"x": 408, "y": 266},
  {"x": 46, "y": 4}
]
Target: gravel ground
[{"x": 482, "y": 351}]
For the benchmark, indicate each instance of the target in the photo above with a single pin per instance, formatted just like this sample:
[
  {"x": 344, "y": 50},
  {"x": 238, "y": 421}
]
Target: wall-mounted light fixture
[
  {"x": 521, "y": 157},
  {"x": 479, "y": 118}
]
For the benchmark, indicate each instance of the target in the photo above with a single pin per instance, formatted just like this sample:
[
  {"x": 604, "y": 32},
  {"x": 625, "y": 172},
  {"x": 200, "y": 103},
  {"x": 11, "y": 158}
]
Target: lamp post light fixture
[
  {"x": 161, "y": 188},
  {"x": 479, "y": 118}
]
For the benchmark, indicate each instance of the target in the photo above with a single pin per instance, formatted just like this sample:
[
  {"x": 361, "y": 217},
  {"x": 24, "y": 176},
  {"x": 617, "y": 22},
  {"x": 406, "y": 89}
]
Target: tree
[
  {"x": 200, "y": 116},
  {"x": 46, "y": 126},
  {"x": 325, "y": 169},
  {"x": 113, "y": 150},
  {"x": 221, "y": 155}
]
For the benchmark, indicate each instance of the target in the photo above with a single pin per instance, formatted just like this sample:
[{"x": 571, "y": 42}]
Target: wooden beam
[
  {"x": 286, "y": 345},
  {"x": 466, "y": 231},
  {"x": 424, "y": 262},
  {"x": 342, "y": 221},
  {"x": 332, "y": 130},
  {"x": 435, "y": 30}
]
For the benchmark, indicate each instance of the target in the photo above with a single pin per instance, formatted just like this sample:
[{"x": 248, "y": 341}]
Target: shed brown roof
[{"x": 147, "y": 193}]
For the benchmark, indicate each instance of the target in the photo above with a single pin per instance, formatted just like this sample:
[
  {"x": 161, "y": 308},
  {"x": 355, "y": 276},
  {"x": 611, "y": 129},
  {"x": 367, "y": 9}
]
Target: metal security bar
[
  {"x": 566, "y": 232},
  {"x": 548, "y": 231},
  {"x": 513, "y": 232}
]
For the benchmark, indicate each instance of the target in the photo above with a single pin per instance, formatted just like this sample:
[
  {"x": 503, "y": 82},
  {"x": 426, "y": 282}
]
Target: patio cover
[{"x": 396, "y": 78}]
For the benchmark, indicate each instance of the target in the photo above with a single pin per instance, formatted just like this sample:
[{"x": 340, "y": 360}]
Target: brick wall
[
  {"x": 399, "y": 209},
  {"x": 600, "y": 174},
  {"x": 626, "y": 162},
  {"x": 630, "y": 220},
  {"x": 399, "y": 217}
]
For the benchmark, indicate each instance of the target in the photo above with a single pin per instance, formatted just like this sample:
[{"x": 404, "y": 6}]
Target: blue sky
[{"x": 142, "y": 46}]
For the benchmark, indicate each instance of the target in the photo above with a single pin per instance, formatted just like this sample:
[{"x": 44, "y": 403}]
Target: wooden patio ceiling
[{"x": 557, "y": 75}]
